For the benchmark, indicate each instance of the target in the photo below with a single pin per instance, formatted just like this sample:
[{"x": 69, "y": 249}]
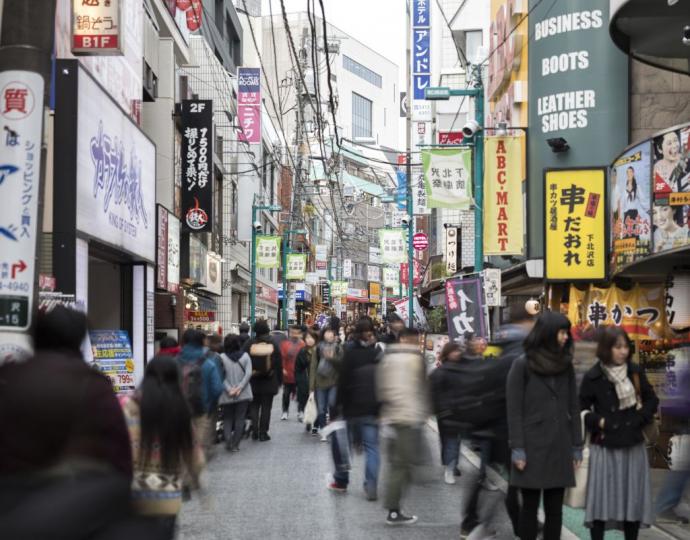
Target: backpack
[
  {"x": 262, "y": 359},
  {"x": 192, "y": 384}
]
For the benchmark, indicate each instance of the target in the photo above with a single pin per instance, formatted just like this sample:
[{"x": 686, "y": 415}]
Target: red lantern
[{"x": 184, "y": 5}]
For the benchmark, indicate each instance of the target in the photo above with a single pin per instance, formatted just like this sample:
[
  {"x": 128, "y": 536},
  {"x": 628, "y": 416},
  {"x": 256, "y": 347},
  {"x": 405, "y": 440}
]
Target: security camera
[
  {"x": 257, "y": 226},
  {"x": 470, "y": 128},
  {"x": 686, "y": 35}
]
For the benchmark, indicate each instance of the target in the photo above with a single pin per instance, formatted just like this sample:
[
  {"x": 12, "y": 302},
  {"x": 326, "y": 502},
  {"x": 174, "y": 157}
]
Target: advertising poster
[
  {"x": 448, "y": 177},
  {"x": 112, "y": 355},
  {"x": 671, "y": 210},
  {"x": 268, "y": 251},
  {"x": 465, "y": 308},
  {"x": 162, "y": 248},
  {"x": 197, "y": 165},
  {"x": 296, "y": 266},
  {"x": 504, "y": 171},
  {"x": 393, "y": 246},
  {"x": 630, "y": 206},
  {"x": 374, "y": 293},
  {"x": 575, "y": 224},
  {"x": 173, "y": 254}
]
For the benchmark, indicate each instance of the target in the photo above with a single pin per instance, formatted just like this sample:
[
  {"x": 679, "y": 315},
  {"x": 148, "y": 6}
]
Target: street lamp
[
  {"x": 256, "y": 229},
  {"x": 286, "y": 240}
]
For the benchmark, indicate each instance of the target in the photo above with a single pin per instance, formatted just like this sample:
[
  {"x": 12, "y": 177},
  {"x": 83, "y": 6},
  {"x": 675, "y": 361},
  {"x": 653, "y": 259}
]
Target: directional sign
[
  {"x": 420, "y": 241},
  {"x": 437, "y": 92}
]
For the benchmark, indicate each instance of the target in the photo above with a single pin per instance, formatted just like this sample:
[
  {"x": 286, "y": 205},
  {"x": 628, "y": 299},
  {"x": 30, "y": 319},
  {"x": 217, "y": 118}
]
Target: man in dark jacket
[
  {"x": 395, "y": 326},
  {"x": 356, "y": 399},
  {"x": 267, "y": 376},
  {"x": 244, "y": 333}
]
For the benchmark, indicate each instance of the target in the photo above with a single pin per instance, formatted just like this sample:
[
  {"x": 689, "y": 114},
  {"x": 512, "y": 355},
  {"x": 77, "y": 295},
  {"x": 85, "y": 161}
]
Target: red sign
[
  {"x": 450, "y": 137},
  {"x": 420, "y": 241},
  {"x": 268, "y": 294},
  {"x": 200, "y": 316},
  {"x": 404, "y": 273}
]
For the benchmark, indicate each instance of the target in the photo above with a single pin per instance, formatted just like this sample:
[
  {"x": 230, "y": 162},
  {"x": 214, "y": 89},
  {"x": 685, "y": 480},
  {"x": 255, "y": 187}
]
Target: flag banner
[
  {"x": 405, "y": 273},
  {"x": 338, "y": 289},
  {"x": 393, "y": 247},
  {"x": 466, "y": 311},
  {"x": 296, "y": 266},
  {"x": 504, "y": 172},
  {"x": 575, "y": 222},
  {"x": 448, "y": 177},
  {"x": 391, "y": 277},
  {"x": 401, "y": 309},
  {"x": 268, "y": 251}
]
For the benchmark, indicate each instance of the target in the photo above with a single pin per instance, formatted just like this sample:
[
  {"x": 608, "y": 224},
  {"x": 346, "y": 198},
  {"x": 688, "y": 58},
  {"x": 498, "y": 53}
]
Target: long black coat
[
  {"x": 544, "y": 420},
  {"x": 265, "y": 384}
]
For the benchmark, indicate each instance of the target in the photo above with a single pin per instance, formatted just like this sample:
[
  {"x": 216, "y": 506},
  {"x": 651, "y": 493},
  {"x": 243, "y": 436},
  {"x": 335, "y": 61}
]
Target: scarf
[
  {"x": 625, "y": 390},
  {"x": 547, "y": 362}
]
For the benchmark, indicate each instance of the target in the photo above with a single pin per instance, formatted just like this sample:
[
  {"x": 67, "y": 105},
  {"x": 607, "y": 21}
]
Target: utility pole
[
  {"x": 26, "y": 44},
  {"x": 408, "y": 168}
]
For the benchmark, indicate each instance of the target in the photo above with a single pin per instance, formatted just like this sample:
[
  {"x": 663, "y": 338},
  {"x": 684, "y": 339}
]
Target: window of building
[
  {"x": 361, "y": 71},
  {"x": 361, "y": 116},
  {"x": 473, "y": 42}
]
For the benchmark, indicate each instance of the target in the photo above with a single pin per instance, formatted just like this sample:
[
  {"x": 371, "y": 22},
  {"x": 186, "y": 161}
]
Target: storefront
[
  {"x": 104, "y": 222},
  {"x": 357, "y": 300}
]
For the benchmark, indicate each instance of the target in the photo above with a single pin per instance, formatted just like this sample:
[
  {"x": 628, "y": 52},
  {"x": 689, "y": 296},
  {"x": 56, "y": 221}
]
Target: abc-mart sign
[{"x": 96, "y": 27}]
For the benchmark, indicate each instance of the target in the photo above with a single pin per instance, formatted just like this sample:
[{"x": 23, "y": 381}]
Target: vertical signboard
[
  {"x": 503, "y": 214},
  {"x": 197, "y": 165},
  {"x": 575, "y": 225},
  {"x": 296, "y": 266},
  {"x": 452, "y": 249},
  {"x": 268, "y": 251},
  {"x": 173, "y": 254},
  {"x": 96, "y": 28},
  {"x": 448, "y": 177},
  {"x": 421, "y": 47},
  {"x": 249, "y": 104},
  {"x": 347, "y": 268},
  {"x": 322, "y": 260},
  {"x": 162, "y": 248},
  {"x": 21, "y": 109},
  {"x": 465, "y": 308}
]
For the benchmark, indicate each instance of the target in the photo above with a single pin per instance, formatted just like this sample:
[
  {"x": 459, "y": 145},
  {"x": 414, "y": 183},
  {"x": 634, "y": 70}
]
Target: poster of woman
[
  {"x": 672, "y": 162},
  {"x": 630, "y": 210}
]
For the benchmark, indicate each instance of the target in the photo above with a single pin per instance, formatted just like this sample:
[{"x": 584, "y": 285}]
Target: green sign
[
  {"x": 296, "y": 266},
  {"x": 448, "y": 177},
  {"x": 437, "y": 92},
  {"x": 338, "y": 289},
  {"x": 268, "y": 251},
  {"x": 393, "y": 246}
]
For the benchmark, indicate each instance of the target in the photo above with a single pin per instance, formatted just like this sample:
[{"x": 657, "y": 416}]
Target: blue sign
[
  {"x": 420, "y": 83},
  {"x": 420, "y": 15},
  {"x": 401, "y": 194},
  {"x": 422, "y": 57},
  {"x": 421, "y": 48},
  {"x": 248, "y": 79}
]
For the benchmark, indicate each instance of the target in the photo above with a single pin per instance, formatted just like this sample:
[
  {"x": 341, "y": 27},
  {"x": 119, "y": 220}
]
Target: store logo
[
  {"x": 119, "y": 180},
  {"x": 17, "y": 101},
  {"x": 196, "y": 217}
]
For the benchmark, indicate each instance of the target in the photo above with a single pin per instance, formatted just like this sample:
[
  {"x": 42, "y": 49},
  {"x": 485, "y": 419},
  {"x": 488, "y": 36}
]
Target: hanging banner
[
  {"x": 419, "y": 205},
  {"x": 393, "y": 248},
  {"x": 405, "y": 273},
  {"x": 326, "y": 293},
  {"x": 575, "y": 247},
  {"x": 162, "y": 248},
  {"x": 391, "y": 277},
  {"x": 504, "y": 172},
  {"x": 347, "y": 268},
  {"x": 401, "y": 190},
  {"x": 452, "y": 250},
  {"x": 678, "y": 300},
  {"x": 448, "y": 177},
  {"x": 96, "y": 28},
  {"x": 296, "y": 266},
  {"x": 338, "y": 289},
  {"x": 373, "y": 273},
  {"x": 322, "y": 260},
  {"x": 268, "y": 251},
  {"x": 374, "y": 293},
  {"x": 465, "y": 308},
  {"x": 492, "y": 286},
  {"x": 401, "y": 309},
  {"x": 629, "y": 206},
  {"x": 173, "y": 254},
  {"x": 640, "y": 311},
  {"x": 249, "y": 104},
  {"x": 197, "y": 165}
]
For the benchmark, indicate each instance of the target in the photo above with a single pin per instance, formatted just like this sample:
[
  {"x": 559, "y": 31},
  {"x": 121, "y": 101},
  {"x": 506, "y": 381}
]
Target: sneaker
[
  {"x": 323, "y": 437},
  {"x": 284, "y": 416},
  {"x": 448, "y": 476},
  {"x": 264, "y": 437},
  {"x": 300, "y": 417},
  {"x": 335, "y": 486},
  {"x": 467, "y": 529},
  {"x": 314, "y": 431},
  {"x": 669, "y": 516},
  {"x": 370, "y": 492},
  {"x": 398, "y": 518}
]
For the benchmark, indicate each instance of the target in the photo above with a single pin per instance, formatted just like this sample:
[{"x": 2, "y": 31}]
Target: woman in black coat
[
  {"x": 620, "y": 402},
  {"x": 544, "y": 424}
]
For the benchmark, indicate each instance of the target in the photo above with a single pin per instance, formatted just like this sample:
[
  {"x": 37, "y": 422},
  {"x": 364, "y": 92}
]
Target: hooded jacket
[{"x": 212, "y": 385}]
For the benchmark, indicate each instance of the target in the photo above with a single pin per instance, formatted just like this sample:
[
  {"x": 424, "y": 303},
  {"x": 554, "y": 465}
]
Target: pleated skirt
[{"x": 619, "y": 487}]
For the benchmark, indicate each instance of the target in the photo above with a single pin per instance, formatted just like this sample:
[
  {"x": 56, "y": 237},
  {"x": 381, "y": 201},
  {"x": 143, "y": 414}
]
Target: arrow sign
[{"x": 18, "y": 267}]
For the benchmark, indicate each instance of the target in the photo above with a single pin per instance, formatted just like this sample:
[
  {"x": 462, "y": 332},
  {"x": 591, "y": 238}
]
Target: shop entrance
[{"x": 110, "y": 295}]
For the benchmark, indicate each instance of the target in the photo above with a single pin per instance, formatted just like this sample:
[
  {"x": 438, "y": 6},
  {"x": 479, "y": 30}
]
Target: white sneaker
[
  {"x": 300, "y": 417},
  {"x": 284, "y": 416},
  {"x": 449, "y": 475},
  {"x": 324, "y": 438}
]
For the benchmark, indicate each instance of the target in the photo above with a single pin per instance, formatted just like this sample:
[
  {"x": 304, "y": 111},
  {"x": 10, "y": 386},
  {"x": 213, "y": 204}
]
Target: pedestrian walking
[
  {"x": 244, "y": 333},
  {"x": 238, "y": 392},
  {"x": 330, "y": 356},
  {"x": 357, "y": 401},
  {"x": 303, "y": 367},
  {"x": 403, "y": 393},
  {"x": 201, "y": 385},
  {"x": 214, "y": 348},
  {"x": 289, "y": 351},
  {"x": 544, "y": 426},
  {"x": 267, "y": 376},
  {"x": 163, "y": 449},
  {"x": 619, "y": 402}
]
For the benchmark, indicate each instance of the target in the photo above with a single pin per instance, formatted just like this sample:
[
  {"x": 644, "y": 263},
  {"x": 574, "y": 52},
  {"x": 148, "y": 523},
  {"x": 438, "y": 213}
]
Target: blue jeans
[
  {"x": 485, "y": 455},
  {"x": 450, "y": 449},
  {"x": 364, "y": 429},
  {"x": 671, "y": 490},
  {"x": 325, "y": 400}
]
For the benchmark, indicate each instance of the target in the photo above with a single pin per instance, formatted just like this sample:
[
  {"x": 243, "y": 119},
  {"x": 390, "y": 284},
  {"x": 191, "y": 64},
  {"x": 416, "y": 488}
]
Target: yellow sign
[
  {"x": 503, "y": 175},
  {"x": 575, "y": 225}
]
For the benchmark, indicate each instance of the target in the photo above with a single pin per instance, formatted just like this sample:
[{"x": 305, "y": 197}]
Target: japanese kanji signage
[
  {"x": 162, "y": 248},
  {"x": 268, "y": 251},
  {"x": 21, "y": 109},
  {"x": 197, "y": 165},
  {"x": 296, "y": 266},
  {"x": 405, "y": 273},
  {"x": 575, "y": 224},
  {"x": 374, "y": 292},
  {"x": 391, "y": 277},
  {"x": 173, "y": 254},
  {"x": 421, "y": 47},
  {"x": 465, "y": 308},
  {"x": 630, "y": 208},
  {"x": 96, "y": 27},
  {"x": 419, "y": 206},
  {"x": 374, "y": 273},
  {"x": 112, "y": 356},
  {"x": 452, "y": 249},
  {"x": 347, "y": 268},
  {"x": 249, "y": 104},
  {"x": 678, "y": 300},
  {"x": 492, "y": 286},
  {"x": 448, "y": 177},
  {"x": 338, "y": 289},
  {"x": 401, "y": 309},
  {"x": 503, "y": 214},
  {"x": 393, "y": 247}
]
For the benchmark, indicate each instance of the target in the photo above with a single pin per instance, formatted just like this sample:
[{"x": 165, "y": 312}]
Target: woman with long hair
[
  {"x": 303, "y": 371},
  {"x": 544, "y": 424},
  {"x": 163, "y": 448},
  {"x": 238, "y": 392},
  {"x": 619, "y": 402}
]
